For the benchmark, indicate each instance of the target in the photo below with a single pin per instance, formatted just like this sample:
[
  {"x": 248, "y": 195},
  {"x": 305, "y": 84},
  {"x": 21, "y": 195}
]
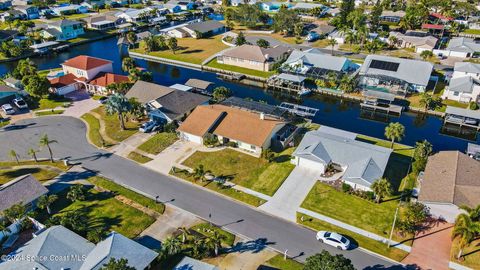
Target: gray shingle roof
[
  {"x": 317, "y": 59},
  {"x": 364, "y": 162},
  {"x": 467, "y": 67},
  {"x": 24, "y": 189},
  {"x": 199, "y": 84},
  {"x": 146, "y": 91},
  {"x": 188, "y": 263},
  {"x": 118, "y": 246},
  {"x": 412, "y": 71},
  {"x": 463, "y": 44},
  {"x": 463, "y": 84},
  {"x": 463, "y": 112},
  {"x": 204, "y": 27},
  {"x": 178, "y": 103}
]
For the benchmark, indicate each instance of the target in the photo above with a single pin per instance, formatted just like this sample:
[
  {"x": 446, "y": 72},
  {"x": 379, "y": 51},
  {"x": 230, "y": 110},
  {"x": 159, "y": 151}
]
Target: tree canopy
[{"x": 326, "y": 261}]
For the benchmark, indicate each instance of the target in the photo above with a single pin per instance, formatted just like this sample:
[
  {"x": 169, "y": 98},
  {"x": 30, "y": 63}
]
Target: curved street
[{"x": 70, "y": 142}]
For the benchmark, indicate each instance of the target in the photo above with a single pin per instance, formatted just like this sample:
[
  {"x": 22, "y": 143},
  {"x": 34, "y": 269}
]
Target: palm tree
[
  {"x": 198, "y": 245},
  {"x": 76, "y": 193},
  {"x": 32, "y": 152},
  {"x": 185, "y": 233},
  {"x": 45, "y": 201},
  {"x": 199, "y": 172},
  {"x": 393, "y": 41},
  {"x": 465, "y": 229},
  {"x": 127, "y": 64},
  {"x": 473, "y": 212},
  {"x": 215, "y": 241},
  {"x": 14, "y": 155},
  {"x": 426, "y": 100},
  {"x": 422, "y": 149},
  {"x": 75, "y": 220},
  {"x": 15, "y": 212},
  {"x": 394, "y": 132},
  {"x": 332, "y": 42},
  {"x": 44, "y": 141},
  {"x": 173, "y": 44},
  {"x": 382, "y": 188},
  {"x": 171, "y": 246},
  {"x": 118, "y": 104},
  {"x": 347, "y": 83}
]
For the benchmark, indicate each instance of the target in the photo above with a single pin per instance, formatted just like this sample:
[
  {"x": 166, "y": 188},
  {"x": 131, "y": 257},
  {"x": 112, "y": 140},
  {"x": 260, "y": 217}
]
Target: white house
[
  {"x": 464, "y": 86},
  {"x": 460, "y": 47},
  {"x": 86, "y": 66}
]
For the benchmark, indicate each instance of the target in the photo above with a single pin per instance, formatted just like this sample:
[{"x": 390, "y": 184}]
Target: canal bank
[{"x": 333, "y": 111}]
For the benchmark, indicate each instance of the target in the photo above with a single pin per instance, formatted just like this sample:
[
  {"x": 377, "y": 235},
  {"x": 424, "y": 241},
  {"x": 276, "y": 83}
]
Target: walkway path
[
  {"x": 131, "y": 143},
  {"x": 290, "y": 195},
  {"x": 431, "y": 248},
  {"x": 172, "y": 156}
]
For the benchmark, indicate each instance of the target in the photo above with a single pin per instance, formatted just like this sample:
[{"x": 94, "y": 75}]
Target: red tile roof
[
  {"x": 104, "y": 79},
  {"x": 440, "y": 16},
  {"x": 64, "y": 80},
  {"x": 432, "y": 26},
  {"x": 85, "y": 62}
]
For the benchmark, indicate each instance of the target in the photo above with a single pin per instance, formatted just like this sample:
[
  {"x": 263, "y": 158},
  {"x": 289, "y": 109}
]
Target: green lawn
[
  {"x": 41, "y": 174},
  {"x": 472, "y": 31},
  {"x": 158, "y": 142},
  {"x": 227, "y": 191},
  {"x": 207, "y": 229},
  {"x": 11, "y": 164},
  {"x": 279, "y": 263},
  {"x": 4, "y": 123},
  {"x": 247, "y": 71},
  {"x": 89, "y": 34},
  {"x": 51, "y": 112},
  {"x": 471, "y": 254},
  {"x": 93, "y": 134},
  {"x": 71, "y": 17},
  {"x": 44, "y": 73},
  {"x": 191, "y": 50},
  {"x": 358, "y": 239},
  {"x": 138, "y": 157},
  {"x": 48, "y": 103},
  {"x": 106, "y": 212},
  {"x": 398, "y": 148},
  {"x": 245, "y": 170},
  {"x": 132, "y": 195},
  {"x": 112, "y": 125},
  {"x": 364, "y": 214}
]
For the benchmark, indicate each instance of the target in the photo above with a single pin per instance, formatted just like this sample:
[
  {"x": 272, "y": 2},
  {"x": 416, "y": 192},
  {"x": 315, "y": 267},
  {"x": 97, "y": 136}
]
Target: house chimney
[{"x": 262, "y": 116}]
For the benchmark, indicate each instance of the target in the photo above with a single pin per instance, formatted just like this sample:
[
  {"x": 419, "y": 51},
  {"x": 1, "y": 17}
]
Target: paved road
[{"x": 238, "y": 218}]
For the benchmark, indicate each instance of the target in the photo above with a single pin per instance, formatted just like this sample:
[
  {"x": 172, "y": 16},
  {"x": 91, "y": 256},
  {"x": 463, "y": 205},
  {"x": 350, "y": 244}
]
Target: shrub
[
  {"x": 232, "y": 144},
  {"x": 346, "y": 188},
  {"x": 473, "y": 105}
]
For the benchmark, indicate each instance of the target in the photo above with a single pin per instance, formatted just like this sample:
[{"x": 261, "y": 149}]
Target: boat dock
[
  {"x": 299, "y": 110},
  {"x": 462, "y": 117},
  {"x": 231, "y": 77},
  {"x": 287, "y": 82},
  {"x": 376, "y": 101}
]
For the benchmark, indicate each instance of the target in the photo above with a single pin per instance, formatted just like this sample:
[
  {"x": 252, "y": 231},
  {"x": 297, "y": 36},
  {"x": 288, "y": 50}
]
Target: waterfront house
[
  {"x": 5, "y": 4},
  {"x": 8, "y": 93},
  {"x": 323, "y": 30},
  {"x": 98, "y": 85},
  {"x": 274, "y": 6},
  {"x": 11, "y": 15},
  {"x": 250, "y": 131},
  {"x": 143, "y": 15},
  {"x": 14, "y": 83},
  {"x": 450, "y": 180},
  {"x": 173, "y": 8},
  {"x": 63, "y": 30},
  {"x": 420, "y": 41},
  {"x": 461, "y": 47},
  {"x": 24, "y": 189},
  {"x": 355, "y": 162},
  {"x": 395, "y": 75},
  {"x": 184, "y": 5},
  {"x": 68, "y": 10},
  {"x": 188, "y": 263},
  {"x": 86, "y": 66},
  {"x": 30, "y": 12},
  {"x": 254, "y": 57},
  {"x": 235, "y": 3},
  {"x": 60, "y": 242},
  {"x": 103, "y": 22},
  {"x": 204, "y": 29},
  {"x": 306, "y": 8},
  {"x": 389, "y": 16},
  {"x": 313, "y": 63},
  {"x": 464, "y": 86}
]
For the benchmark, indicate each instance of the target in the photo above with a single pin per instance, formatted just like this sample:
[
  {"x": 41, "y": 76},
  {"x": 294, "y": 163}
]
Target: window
[
  {"x": 253, "y": 147},
  {"x": 456, "y": 93}
]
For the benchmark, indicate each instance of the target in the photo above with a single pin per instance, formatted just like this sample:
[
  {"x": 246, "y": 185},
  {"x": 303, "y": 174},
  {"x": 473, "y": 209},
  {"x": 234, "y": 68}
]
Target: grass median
[
  {"x": 94, "y": 135},
  {"x": 138, "y": 157}
]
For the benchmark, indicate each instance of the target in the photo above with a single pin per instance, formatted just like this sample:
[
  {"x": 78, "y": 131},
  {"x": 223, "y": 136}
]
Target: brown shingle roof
[
  {"x": 85, "y": 62},
  {"x": 451, "y": 177},
  {"x": 23, "y": 189},
  {"x": 233, "y": 123}
]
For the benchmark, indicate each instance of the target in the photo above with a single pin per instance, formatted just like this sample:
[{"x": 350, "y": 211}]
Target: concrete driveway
[
  {"x": 172, "y": 155},
  {"x": 291, "y": 193},
  {"x": 82, "y": 103}
]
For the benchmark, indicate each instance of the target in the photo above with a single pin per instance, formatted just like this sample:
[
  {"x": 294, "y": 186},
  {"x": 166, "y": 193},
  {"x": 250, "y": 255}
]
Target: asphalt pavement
[{"x": 70, "y": 142}]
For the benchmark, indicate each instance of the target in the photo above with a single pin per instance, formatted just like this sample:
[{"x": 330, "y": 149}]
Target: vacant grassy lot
[
  {"x": 364, "y": 214},
  {"x": 247, "y": 71},
  {"x": 158, "y": 142},
  {"x": 41, "y": 174},
  {"x": 207, "y": 229},
  {"x": 471, "y": 253},
  {"x": 104, "y": 211},
  {"x": 357, "y": 239},
  {"x": 245, "y": 170},
  {"x": 279, "y": 263},
  {"x": 138, "y": 157},
  {"x": 112, "y": 125},
  {"x": 191, "y": 50}
]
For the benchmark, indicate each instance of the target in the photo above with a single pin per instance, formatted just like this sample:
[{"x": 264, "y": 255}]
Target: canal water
[{"x": 333, "y": 112}]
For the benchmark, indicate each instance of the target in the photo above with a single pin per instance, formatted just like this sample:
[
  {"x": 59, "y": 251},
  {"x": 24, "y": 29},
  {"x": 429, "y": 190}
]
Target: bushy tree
[
  {"x": 263, "y": 43},
  {"x": 76, "y": 193},
  {"x": 25, "y": 67},
  {"x": 35, "y": 85},
  {"x": 326, "y": 261},
  {"x": 221, "y": 93},
  {"x": 284, "y": 20},
  {"x": 118, "y": 104},
  {"x": 240, "y": 40}
]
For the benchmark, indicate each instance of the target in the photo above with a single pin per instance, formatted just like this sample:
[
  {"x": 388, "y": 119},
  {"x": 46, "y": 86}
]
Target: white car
[
  {"x": 8, "y": 109},
  {"x": 333, "y": 239},
  {"x": 20, "y": 103}
]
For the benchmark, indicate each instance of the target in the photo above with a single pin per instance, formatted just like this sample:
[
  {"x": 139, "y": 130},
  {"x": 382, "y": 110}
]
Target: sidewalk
[{"x": 131, "y": 143}]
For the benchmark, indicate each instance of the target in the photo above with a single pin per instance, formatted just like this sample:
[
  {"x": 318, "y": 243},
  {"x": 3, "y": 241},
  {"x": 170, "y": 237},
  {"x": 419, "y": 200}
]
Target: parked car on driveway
[
  {"x": 150, "y": 126},
  {"x": 334, "y": 239},
  {"x": 20, "y": 103},
  {"x": 8, "y": 109}
]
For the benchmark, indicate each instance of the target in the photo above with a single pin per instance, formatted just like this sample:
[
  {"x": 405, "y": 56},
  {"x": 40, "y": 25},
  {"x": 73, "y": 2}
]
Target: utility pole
[{"x": 393, "y": 226}]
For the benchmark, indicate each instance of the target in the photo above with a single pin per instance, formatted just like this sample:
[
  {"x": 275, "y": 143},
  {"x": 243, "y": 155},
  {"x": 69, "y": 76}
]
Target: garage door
[
  {"x": 65, "y": 90},
  {"x": 308, "y": 164},
  {"x": 192, "y": 138}
]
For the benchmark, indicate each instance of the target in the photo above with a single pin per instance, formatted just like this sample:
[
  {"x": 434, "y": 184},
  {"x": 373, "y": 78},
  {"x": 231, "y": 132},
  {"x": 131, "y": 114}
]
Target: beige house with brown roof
[
  {"x": 254, "y": 57},
  {"x": 252, "y": 131},
  {"x": 451, "y": 179}
]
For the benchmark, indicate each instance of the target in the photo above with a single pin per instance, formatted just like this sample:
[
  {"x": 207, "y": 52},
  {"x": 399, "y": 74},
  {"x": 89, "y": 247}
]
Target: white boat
[{"x": 304, "y": 92}]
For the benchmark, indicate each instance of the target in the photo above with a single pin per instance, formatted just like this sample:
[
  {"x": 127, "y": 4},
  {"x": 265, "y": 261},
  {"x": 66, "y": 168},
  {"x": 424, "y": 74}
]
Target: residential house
[
  {"x": 65, "y": 84},
  {"x": 86, "y": 66},
  {"x": 14, "y": 83},
  {"x": 461, "y": 47},
  {"x": 68, "y": 10},
  {"x": 392, "y": 16},
  {"x": 12, "y": 15},
  {"x": 59, "y": 242},
  {"x": 315, "y": 64},
  {"x": 250, "y": 131},
  {"x": 464, "y": 86},
  {"x": 184, "y": 5},
  {"x": 236, "y": 3},
  {"x": 6, "y": 35},
  {"x": 165, "y": 104},
  {"x": 323, "y": 30},
  {"x": 204, "y": 29},
  {"x": 254, "y": 57},
  {"x": 188, "y": 263},
  {"x": 7, "y": 93},
  {"x": 143, "y": 15},
  {"x": 5, "y": 4},
  {"x": 30, "y": 12},
  {"x": 306, "y": 8},
  {"x": 63, "y": 30},
  {"x": 395, "y": 75},
  {"x": 22, "y": 2},
  {"x": 419, "y": 43},
  {"x": 450, "y": 180},
  {"x": 173, "y": 8},
  {"x": 274, "y": 6},
  {"x": 334, "y": 12},
  {"x": 357, "y": 163},
  {"x": 103, "y": 22},
  {"x": 98, "y": 85},
  {"x": 24, "y": 189}
]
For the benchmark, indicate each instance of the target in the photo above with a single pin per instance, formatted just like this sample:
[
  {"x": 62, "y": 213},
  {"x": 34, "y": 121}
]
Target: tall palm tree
[
  {"x": 382, "y": 188},
  {"x": 199, "y": 172},
  {"x": 14, "y": 155},
  {"x": 45, "y": 201},
  {"x": 426, "y": 100},
  {"x": 184, "y": 233},
  {"x": 473, "y": 212},
  {"x": 423, "y": 149},
  {"x": 32, "y": 152},
  {"x": 45, "y": 141},
  {"x": 118, "y": 104},
  {"x": 15, "y": 212},
  {"x": 332, "y": 42},
  {"x": 214, "y": 241},
  {"x": 394, "y": 132},
  {"x": 171, "y": 246},
  {"x": 76, "y": 193},
  {"x": 465, "y": 230},
  {"x": 347, "y": 83}
]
